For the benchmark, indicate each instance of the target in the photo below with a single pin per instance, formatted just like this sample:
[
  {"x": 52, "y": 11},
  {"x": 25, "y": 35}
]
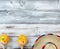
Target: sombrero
[{"x": 48, "y": 41}]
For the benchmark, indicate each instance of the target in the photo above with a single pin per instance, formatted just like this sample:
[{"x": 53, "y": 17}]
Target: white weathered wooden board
[
  {"x": 30, "y": 11},
  {"x": 32, "y": 31}
]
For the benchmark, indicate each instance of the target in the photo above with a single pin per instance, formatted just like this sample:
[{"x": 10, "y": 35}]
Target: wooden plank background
[
  {"x": 30, "y": 17},
  {"x": 32, "y": 31},
  {"x": 22, "y": 12}
]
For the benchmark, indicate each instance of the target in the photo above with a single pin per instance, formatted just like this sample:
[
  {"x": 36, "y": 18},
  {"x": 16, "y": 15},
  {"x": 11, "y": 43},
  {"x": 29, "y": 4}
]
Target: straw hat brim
[{"x": 49, "y": 41}]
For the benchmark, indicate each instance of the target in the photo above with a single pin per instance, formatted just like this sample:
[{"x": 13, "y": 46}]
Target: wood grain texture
[
  {"x": 22, "y": 12},
  {"x": 32, "y": 31}
]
